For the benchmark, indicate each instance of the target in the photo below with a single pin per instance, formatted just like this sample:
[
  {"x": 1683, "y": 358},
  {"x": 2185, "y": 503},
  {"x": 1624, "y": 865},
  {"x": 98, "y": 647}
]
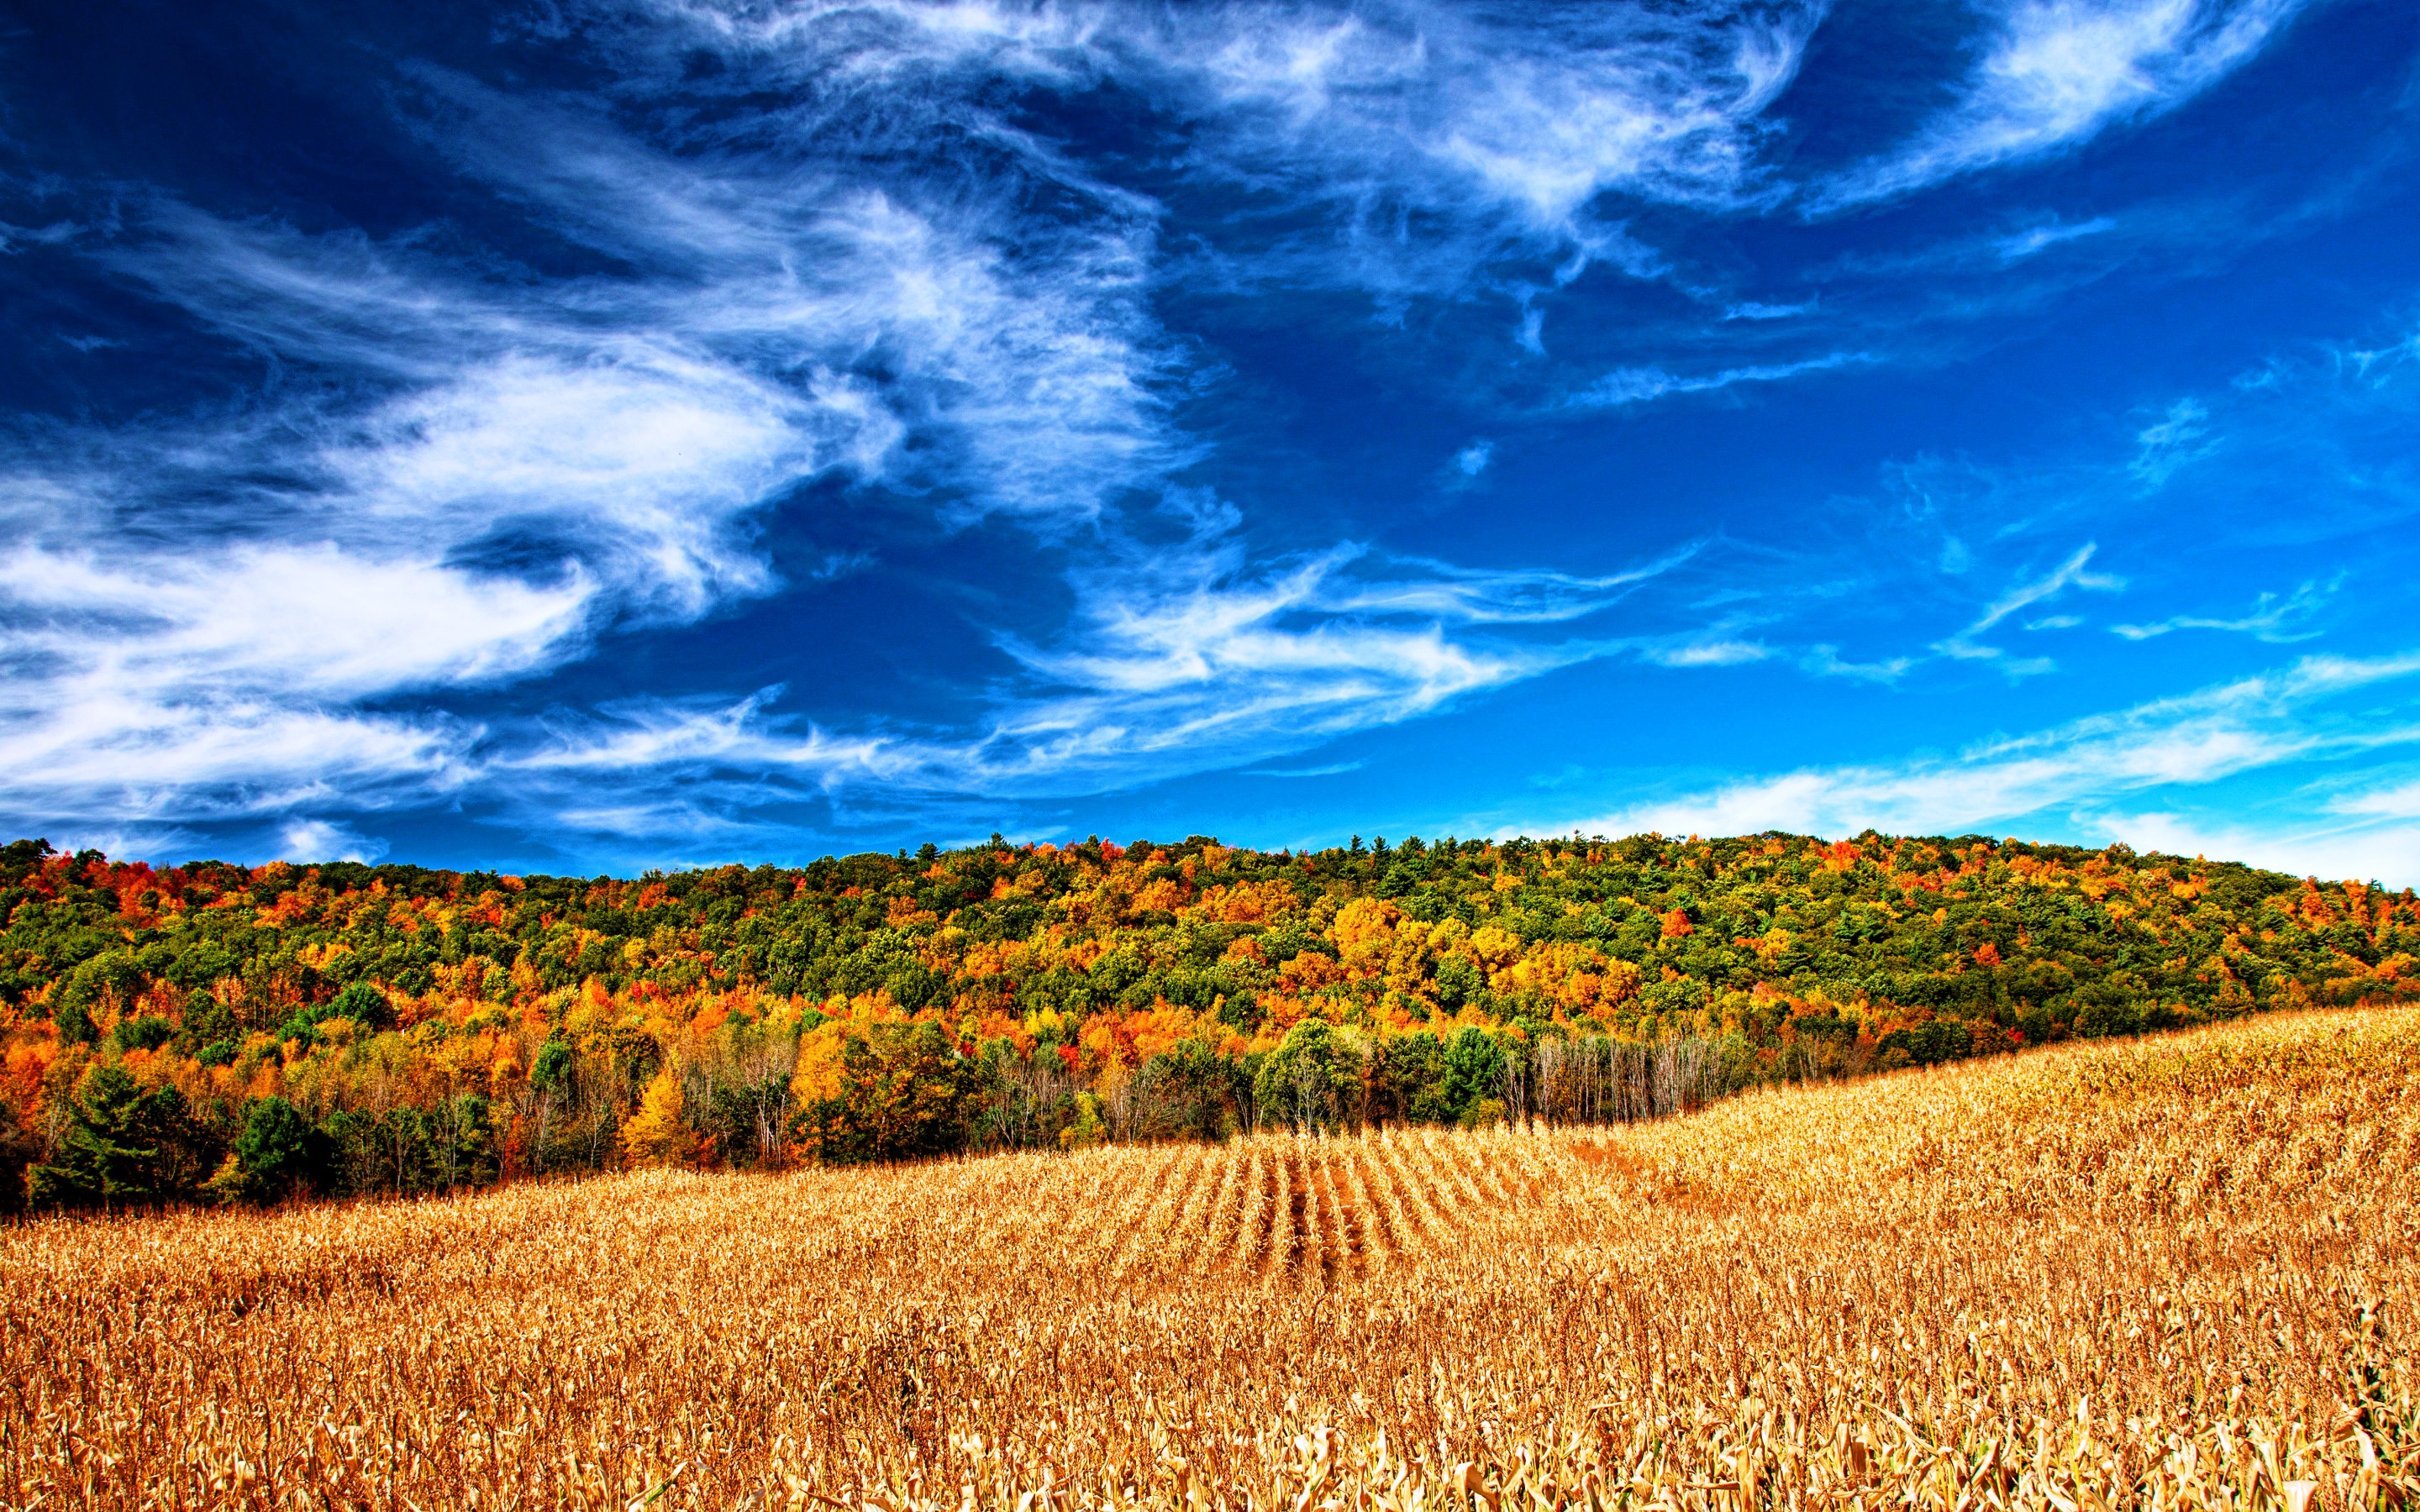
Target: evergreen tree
[
  {"x": 109, "y": 1152},
  {"x": 280, "y": 1153}
]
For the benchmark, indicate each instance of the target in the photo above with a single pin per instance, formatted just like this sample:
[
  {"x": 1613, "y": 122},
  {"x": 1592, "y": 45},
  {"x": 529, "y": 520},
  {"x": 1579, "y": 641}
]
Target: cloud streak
[
  {"x": 1202, "y": 662},
  {"x": 2273, "y": 620},
  {"x": 2090, "y": 767},
  {"x": 1627, "y": 386},
  {"x": 2056, "y": 72},
  {"x": 2072, "y": 573}
]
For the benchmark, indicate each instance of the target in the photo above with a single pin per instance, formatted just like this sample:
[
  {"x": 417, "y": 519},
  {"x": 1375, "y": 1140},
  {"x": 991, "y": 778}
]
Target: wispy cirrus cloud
[
  {"x": 2179, "y": 438},
  {"x": 2095, "y": 768},
  {"x": 2271, "y": 619},
  {"x": 1421, "y": 105},
  {"x": 2399, "y": 801},
  {"x": 1701, "y": 653},
  {"x": 2019, "y": 245},
  {"x": 2072, "y": 573},
  {"x": 1640, "y": 385},
  {"x": 1826, "y": 661},
  {"x": 149, "y": 684},
  {"x": 1394, "y": 146},
  {"x": 1202, "y": 661},
  {"x": 2056, "y": 72},
  {"x": 1336, "y": 769}
]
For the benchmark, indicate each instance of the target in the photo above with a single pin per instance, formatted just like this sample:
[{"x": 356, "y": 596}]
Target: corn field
[{"x": 2170, "y": 1272}]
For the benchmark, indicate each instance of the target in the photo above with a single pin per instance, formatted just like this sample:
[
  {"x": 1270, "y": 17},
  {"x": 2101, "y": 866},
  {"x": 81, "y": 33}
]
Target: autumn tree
[
  {"x": 658, "y": 1134},
  {"x": 898, "y": 1091}
]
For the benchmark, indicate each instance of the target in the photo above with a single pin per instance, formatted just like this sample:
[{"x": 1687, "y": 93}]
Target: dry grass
[{"x": 2177, "y": 1273}]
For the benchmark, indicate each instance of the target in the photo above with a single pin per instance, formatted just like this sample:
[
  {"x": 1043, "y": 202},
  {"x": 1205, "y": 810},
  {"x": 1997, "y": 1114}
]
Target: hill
[
  {"x": 2179, "y": 1271},
  {"x": 213, "y": 1029}
]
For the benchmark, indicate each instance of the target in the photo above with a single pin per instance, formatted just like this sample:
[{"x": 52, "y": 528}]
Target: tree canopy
[{"x": 430, "y": 1028}]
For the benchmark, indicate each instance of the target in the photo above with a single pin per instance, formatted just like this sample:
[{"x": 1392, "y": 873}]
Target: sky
[{"x": 577, "y": 438}]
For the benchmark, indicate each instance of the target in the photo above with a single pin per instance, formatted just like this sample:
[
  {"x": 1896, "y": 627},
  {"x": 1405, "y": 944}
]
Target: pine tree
[{"x": 107, "y": 1156}]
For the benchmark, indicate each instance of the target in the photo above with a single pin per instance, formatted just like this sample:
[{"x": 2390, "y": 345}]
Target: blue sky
[{"x": 578, "y": 437}]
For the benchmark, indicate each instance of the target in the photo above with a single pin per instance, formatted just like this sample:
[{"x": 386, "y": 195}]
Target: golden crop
[{"x": 2174, "y": 1273}]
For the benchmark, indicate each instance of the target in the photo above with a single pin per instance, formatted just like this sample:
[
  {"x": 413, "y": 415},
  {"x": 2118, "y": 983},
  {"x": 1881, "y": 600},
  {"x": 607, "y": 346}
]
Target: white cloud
[
  {"x": 2400, "y": 802},
  {"x": 1753, "y": 310},
  {"x": 646, "y": 462},
  {"x": 320, "y": 840},
  {"x": 1192, "y": 662},
  {"x": 2084, "y": 771},
  {"x": 1206, "y": 662},
  {"x": 2182, "y": 438},
  {"x": 112, "y": 758},
  {"x": 1640, "y": 385},
  {"x": 641, "y": 735},
  {"x": 1338, "y": 769},
  {"x": 146, "y": 682},
  {"x": 2056, "y": 72},
  {"x": 2384, "y": 854},
  {"x": 307, "y": 620},
  {"x": 1711, "y": 654},
  {"x": 1536, "y": 113},
  {"x": 1433, "y": 138},
  {"x": 2272, "y": 619},
  {"x": 2072, "y": 573},
  {"x": 1481, "y": 597},
  {"x": 2021, "y": 246},
  {"x": 1825, "y": 661}
]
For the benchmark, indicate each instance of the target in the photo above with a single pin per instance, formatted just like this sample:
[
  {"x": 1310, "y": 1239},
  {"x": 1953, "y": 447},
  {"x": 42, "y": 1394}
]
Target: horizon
[
  {"x": 1113, "y": 851},
  {"x": 586, "y": 437}
]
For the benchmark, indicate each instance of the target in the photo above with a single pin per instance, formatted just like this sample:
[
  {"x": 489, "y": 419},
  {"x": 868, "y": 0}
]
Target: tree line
[{"x": 217, "y": 1032}]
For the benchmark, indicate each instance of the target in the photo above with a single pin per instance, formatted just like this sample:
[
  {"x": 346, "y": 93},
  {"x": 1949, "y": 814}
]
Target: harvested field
[{"x": 2180, "y": 1272}]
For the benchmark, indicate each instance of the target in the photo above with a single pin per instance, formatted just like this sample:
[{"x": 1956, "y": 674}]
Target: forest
[{"x": 218, "y": 1033}]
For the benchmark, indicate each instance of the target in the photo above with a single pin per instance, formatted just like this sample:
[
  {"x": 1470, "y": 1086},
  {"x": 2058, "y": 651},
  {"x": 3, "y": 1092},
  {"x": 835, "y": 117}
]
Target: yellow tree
[{"x": 658, "y": 1134}]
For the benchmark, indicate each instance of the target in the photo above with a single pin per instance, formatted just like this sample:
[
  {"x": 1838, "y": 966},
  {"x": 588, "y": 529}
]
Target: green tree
[
  {"x": 359, "y": 1003},
  {"x": 146, "y": 1033},
  {"x": 362, "y": 1003},
  {"x": 1198, "y": 1088},
  {"x": 111, "y": 1148},
  {"x": 1411, "y": 1080},
  {"x": 1312, "y": 1080},
  {"x": 553, "y": 1065},
  {"x": 280, "y": 1153},
  {"x": 1473, "y": 1066}
]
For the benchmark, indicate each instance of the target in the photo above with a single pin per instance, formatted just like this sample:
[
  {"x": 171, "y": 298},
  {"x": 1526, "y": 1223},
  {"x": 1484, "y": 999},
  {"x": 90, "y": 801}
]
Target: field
[{"x": 2179, "y": 1272}]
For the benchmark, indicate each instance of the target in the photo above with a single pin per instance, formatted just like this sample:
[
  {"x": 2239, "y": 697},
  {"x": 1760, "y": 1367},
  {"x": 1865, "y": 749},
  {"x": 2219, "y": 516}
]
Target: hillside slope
[
  {"x": 2182, "y": 1271},
  {"x": 421, "y": 1031}
]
